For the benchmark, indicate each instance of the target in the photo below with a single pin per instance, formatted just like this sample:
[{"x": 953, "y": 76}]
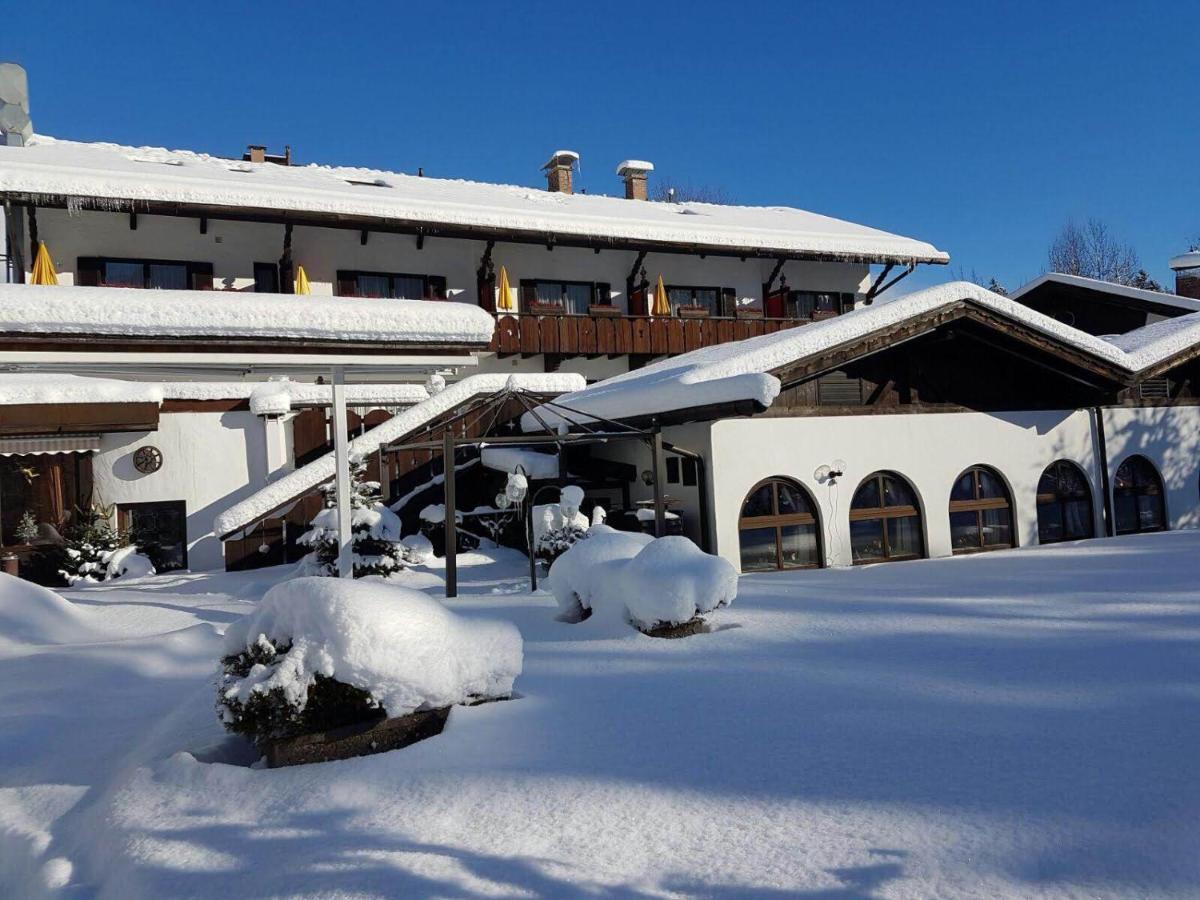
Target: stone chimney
[
  {"x": 256, "y": 153},
  {"x": 16, "y": 128},
  {"x": 1187, "y": 274},
  {"x": 634, "y": 172},
  {"x": 558, "y": 171}
]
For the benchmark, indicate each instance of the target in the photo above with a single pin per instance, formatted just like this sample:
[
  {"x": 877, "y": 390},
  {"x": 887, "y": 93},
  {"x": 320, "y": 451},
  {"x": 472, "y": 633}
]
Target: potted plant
[
  {"x": 692, "y": 312},
  {"x": 543, "y": 308},
  {"x": 603, "y": 310}
]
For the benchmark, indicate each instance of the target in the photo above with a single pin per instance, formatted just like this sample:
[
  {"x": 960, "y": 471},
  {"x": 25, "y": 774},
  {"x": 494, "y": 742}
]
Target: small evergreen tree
[
  {"x": 376, "y": 530},
  {"x": 89, "y": 544},
  {"x": 1144, "y": 281},
  {"x": 27, "y": 529}
]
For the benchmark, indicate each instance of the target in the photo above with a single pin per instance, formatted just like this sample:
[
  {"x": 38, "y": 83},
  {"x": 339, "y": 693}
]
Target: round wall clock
[{"x": 147, "y": 459}]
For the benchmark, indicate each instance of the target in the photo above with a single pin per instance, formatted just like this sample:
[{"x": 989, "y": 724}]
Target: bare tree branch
[
  {"x": 1091, "y": 251},
  {"x": 667, "y": 190}
]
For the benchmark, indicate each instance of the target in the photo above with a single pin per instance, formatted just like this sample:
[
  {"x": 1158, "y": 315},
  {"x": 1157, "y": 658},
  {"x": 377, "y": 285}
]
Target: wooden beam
[{"x": 451, "y": 517}]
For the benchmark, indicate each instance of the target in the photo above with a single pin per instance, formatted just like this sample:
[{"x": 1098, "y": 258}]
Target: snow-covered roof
[
  {"x": 1160, "y": 298},
  {"x": 21, "y": 389},
  {"x": 68, "y": 169},
  {"x": 740, "y": 371},
  {"x": 128, "y": 312},
  {"x": 1189, "y": 260},
  {"x": 300, "y": 482}
]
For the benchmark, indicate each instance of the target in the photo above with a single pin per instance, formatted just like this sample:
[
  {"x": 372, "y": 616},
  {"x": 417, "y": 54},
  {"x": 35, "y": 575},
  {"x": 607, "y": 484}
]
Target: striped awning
[{"x": 68, "y": 443}]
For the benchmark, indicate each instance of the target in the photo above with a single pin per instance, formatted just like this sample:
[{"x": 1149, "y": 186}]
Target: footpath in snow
[{"x": 1013, "y": 724}]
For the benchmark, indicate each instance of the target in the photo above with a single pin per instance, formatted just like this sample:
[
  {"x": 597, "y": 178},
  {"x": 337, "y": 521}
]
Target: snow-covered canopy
[
  {"x": 1189, "y": 260},
  {"x": 1110, "y": 290},
  {"x": 282, "y": 396},
  {"x": 128, "y": 312},
  {"x": 300, "y": 482},
  {"x": 741, "y": 370},
  {"x": 36, "y": 389},
  {"x": 67, "y": 169}
]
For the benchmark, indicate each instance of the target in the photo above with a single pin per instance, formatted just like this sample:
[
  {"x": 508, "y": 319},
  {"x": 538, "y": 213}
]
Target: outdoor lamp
[{"x": 517, "y": 486}]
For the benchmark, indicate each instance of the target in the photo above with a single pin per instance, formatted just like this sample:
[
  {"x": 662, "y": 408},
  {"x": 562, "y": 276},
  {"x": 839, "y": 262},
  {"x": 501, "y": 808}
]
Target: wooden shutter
[
  {"x": 728, "y": 302},
  {"x": 637, "y": 301},
  {"x": 435, "y": 287},
  {"x": 201, "y": 276},
  {"x": 347, "y": 284},
  {"x": 602, "y": 293},
  {"x": 485, "y": 289},
  {"x": 87, "y": 271},
  {"x": 775, "y": 305},
  {"x": 528, "y": 295}
]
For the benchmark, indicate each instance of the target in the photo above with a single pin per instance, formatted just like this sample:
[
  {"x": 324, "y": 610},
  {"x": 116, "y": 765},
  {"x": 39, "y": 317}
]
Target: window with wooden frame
[
  {"x": 147, "y": 274},
  {"x": 980, "y": 512},
  {"x": 716, "y": 301},
  {"x": 571, "y": 297},
  {"x": 885, "y": 521},
  {"x": 818, "y": 304},
  {"x": 390, "y": 285},
  {"x": 1138, "y": 504},
  {"x": 1064, "y": 504},
  {"x": 778, "y": 528}
]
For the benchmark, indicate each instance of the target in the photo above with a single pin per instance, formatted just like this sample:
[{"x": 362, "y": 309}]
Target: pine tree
[
  {"x": 375, "y": 528},
  {"x": 89, "y": 544}
]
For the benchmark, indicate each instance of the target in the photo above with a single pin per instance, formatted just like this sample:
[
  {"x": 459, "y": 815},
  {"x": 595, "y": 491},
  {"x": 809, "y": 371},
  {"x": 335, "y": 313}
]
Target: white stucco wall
[
  {"x": 210, "y": 460},
  {"x": 930, "y": 450}
]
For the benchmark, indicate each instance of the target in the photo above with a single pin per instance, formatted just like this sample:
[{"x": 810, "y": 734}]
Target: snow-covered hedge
[
  {"x": 317, "y": 651},
  {"x": 647, "y": 581}
]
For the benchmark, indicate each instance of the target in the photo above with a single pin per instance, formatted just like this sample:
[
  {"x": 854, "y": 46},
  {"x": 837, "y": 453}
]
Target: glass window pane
[
  {"x": 866, "y": 540},
  {"x": 904, "y": 536},
  {"x": 168, "y": 278},
  {"x": 578, "y": 297},
  {"x": 706, "y": 298},
  {"x": 1149, "y": 512},
  {"x": 800, "y": 545},
  {"x": 964, "y": 530},
  {"x": 964, "y": 488},
  {"x": 827, "y": 302},
  {"x": 1048, "y": 483},
  {"x": 758, "y": 549},
  {"x": 1125, "y": 511},
  {"x": 804, "y": 302},
  {"x": 759, "y": 503},
  {"x": 374, "y": 286},
  {"x": 406, "y": 287},
  {"x": 1125, "y": 476},
  {"x": 1071, "y": 480},
  {"x": 990, "y": 486},
  {"x": 997, "y": 527},
  {"x": 123, "y": 274},
  {"x": 1078, "y": 519},
  {"x": 548, "y": 291},
  {"x": 897, "y": 493},
  {"x": 792, "y": 501},
  {"x": 1050, "y": 522},
  {"x": 867, "y": 496}
]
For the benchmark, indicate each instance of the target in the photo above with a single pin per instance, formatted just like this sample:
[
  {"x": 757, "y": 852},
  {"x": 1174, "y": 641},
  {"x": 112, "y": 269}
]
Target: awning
[{"x": 72, "y": 443}]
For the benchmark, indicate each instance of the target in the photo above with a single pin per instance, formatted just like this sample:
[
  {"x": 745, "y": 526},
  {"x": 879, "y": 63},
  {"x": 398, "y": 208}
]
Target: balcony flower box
[
  {"x": 820, "y": 314},
  {"x": 748, "y": 313},
  {"x": 546, "y": 309},
  {"x": 693, "y": 312},
  {"x": 604, "y": 310}
]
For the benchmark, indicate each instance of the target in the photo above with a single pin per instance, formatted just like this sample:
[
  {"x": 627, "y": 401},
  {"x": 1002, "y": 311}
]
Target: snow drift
[
  {"x": 405, "y": 649},
  {"x": 32, "y": 614}
]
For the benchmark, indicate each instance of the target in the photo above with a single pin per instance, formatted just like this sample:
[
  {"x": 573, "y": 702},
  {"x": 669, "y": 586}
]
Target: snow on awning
[
  {"x": 75, "y": 443},
  {"x": 68, "y": 171},
  {"x": 37, "y": 389}
]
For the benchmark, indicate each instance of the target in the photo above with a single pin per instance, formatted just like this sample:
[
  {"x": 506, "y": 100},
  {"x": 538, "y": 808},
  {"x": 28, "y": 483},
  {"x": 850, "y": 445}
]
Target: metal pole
[
  {"x": 657, "y": 466},
  {"x": 529, "y": 543},
  {"x": 341, "y": 454},
  {"x": 451, "y": 516},
  {"x": 1102, "y": 449}
]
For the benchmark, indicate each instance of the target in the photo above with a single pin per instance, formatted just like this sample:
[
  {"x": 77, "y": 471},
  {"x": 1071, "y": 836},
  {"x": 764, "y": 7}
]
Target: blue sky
[{"x": 979, "y": 127}]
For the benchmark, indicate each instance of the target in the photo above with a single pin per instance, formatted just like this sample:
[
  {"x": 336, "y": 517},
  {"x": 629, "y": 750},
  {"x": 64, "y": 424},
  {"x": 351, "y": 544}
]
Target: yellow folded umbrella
[
  {"x": 43, "y": 268},
  {"x": 302, "y": 281},
  {"x": 662, "y": 306},
  {"x": 504, "y": 300}
]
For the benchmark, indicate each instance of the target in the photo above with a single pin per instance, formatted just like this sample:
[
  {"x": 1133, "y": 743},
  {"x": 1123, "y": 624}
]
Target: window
[
  {"x": 817, "y": 304},
  {"x": 690, "y": 478},
  {"x": 980, "y": 512},
  {"x": 778, "y": 528},
  {"x": 707, "y": 297},
  {"x": 673, "y": 470},
  {"x": 1138, "y": 497},
  {"x": 573, "y": 296},
  {"x": 1064, "y": 504},
  {"x": 390, "y": 285},
  {"x": 159, "y": 529},
  {"x": 151, "y": 274},
  {"x": 266, "y": 278},
  {"x": 885, "y": 522}
]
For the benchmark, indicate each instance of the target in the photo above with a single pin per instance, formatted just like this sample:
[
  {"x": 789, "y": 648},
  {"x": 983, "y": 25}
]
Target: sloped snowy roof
[
  {"x": 1158, "y": 342},
  {"x": 66, "y": 169},
  {"x": 740, "y": 370},
  {"x": 20, "y": 389},
  {"x": 1160, "y": 298},
  {"x": 300, "y": 482},
  {"x": 128, "y": 312}
]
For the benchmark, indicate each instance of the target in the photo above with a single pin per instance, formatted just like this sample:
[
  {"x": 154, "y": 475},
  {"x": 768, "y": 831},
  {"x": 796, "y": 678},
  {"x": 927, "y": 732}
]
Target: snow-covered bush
[
  {"x": 127, "y": 562},
  {"x": 554, "y": 542},
  {"x": 318, "y": 652},
  {"x": 88, "y": 546},
  {"x": 558, "y": 526},
  {"x": 648, "y": 582},
  {"x": 376, "y": 530},
  {"x": 418, "y": 549}
]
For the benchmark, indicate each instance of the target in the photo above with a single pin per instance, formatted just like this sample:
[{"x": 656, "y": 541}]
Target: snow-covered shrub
[
  {"x": 376, "y": 530},
  {"x": 318, "y": 651},
  {"x": 558, "y": 526},
  {"x": 418, "y": 549},
  {"x": 127, "y": 562},
  {"x": 648, "y": 582},
  {"x": 553, "y": 543},
  {"x": 88, "y": 546}
]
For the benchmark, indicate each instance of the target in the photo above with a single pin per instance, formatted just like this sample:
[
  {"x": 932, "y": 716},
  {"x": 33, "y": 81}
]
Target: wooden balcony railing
[{"x": 528, "y": 333}]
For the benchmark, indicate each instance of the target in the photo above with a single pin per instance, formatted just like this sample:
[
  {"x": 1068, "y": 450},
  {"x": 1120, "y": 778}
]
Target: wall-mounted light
[
  {"x": 647, "y": 477},
  {"x": 831, "y": 473}
]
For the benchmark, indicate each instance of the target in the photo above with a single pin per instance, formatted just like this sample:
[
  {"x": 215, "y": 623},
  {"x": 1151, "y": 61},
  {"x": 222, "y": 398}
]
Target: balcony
[{"x": 617, "y": 335}]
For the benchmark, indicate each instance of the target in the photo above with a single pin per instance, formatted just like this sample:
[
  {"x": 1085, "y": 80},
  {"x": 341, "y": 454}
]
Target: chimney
[
  {"x": 1187, "y": 274},
  {"x": 558, "y": 171},
  {"x": 634, "y": 172},
  {"x": 16, "y": 128},
  {"x": 256, "y": 153}
]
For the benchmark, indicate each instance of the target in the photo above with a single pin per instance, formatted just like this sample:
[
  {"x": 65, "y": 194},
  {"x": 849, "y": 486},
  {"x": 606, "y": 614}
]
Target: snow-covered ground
[{"x": 1020, "y": 724}]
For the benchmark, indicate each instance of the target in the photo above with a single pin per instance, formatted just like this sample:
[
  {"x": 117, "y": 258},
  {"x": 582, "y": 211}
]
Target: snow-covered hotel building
[{"x": 813, "y": 424}]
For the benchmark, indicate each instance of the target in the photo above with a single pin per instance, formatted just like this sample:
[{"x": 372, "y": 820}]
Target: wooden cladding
[{"x": 621, "y": 335}]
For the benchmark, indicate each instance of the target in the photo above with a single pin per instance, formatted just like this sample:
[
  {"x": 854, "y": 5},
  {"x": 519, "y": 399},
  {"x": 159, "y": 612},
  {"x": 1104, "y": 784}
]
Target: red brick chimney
[
  {"x": 634, "y": 172},
  {"x": 1187, "y": 274},
  {"x": 558, "y": 171}
]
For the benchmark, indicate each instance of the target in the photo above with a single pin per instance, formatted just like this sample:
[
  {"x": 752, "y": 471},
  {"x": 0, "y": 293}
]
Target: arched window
[
  {"x": 885, "y": 522},
  {"x": 1138, "y": 497},
  {"x": 778, "y": 527},
  {"x": 1064, "y": 504},
  {"x": 980, "y": 512}
]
